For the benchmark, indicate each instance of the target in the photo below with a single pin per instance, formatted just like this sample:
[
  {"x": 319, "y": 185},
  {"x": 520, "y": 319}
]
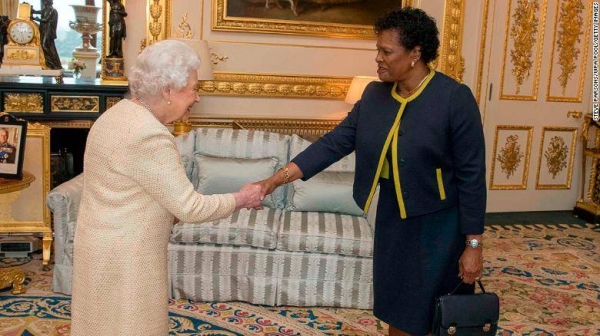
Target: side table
[{"x": 9, "y": 191}]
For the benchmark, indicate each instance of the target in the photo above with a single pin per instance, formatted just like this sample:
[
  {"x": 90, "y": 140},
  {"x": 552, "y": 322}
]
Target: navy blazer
[{"x": 440, "y": 149}]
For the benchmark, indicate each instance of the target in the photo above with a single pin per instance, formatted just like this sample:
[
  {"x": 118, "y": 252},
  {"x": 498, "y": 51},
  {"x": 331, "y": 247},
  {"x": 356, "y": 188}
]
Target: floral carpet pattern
[{"x": 547, "y": 277}]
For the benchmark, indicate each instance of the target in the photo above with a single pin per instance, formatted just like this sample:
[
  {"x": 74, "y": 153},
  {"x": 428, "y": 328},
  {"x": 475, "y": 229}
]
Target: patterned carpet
[{"x": 547, "y": 277}]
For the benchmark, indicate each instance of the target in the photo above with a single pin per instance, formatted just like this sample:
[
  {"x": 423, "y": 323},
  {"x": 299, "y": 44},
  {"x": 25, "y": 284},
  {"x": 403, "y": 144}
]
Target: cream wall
[{"x": 278, "y": 54}]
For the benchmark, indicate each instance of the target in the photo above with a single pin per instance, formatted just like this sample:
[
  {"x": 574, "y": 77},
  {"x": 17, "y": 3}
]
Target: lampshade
[
  {"x": 357, "y": 86},
  {"x": 205, "y": 72}
]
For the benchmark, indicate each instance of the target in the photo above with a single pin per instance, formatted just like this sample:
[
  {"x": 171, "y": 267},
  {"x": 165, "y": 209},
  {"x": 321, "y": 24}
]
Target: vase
[{"x": 76, "y": 74}]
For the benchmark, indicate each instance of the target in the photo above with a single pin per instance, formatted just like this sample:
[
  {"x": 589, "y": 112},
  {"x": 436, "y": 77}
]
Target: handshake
[{"x": 252, "y": 194}]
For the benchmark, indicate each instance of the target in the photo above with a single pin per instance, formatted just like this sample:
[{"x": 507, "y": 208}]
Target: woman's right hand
[{"x": 250, "y": 196}]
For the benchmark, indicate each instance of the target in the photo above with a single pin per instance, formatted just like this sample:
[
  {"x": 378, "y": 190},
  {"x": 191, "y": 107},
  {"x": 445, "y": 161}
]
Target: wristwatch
[{"x": 474, "y": 243}]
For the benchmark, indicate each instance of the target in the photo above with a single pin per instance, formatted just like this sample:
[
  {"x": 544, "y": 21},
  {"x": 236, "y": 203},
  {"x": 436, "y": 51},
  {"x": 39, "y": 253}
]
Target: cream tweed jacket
[{"x": 134, "y": 182}]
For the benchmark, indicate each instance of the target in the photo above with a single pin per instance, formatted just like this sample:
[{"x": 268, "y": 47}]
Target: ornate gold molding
[
  {"x": 158, "y": 19},
  {"x": 111, "y": 101},
  {"x": 482, "y": 46},
  {"x": 571, "y": 27},
  {"x": 13, "y": 276},
  {"x": 568, "y": 42},
  {"x": 511, "y": 156},
  {"x": 524, "y": 32},
  {"x": 451, "y": 60},
  {"x": 559, "y": 156},
  {"x": 24, "y": 102},
  {"x": 264, "y": 85},
  {"x": 75, "y": 104}
]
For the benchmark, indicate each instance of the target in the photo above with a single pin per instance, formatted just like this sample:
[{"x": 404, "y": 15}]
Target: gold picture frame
[
  {"x": 556, "y": 158},
  {"x": 23, "y": 205},
  {"x": 288, "y": 23},
  {"x": 512, "y": 157}
]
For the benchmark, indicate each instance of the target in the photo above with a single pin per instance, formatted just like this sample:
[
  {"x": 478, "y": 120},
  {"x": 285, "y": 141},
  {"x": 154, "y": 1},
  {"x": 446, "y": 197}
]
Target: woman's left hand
[{"x": 470, "y": 265}]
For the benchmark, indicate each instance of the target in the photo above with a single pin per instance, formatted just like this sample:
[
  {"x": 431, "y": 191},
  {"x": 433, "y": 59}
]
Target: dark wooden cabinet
[{"x": 42, "y": 99}]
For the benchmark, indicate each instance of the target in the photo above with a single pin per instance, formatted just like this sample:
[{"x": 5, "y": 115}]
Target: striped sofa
[{"x": 310, "y": 246}]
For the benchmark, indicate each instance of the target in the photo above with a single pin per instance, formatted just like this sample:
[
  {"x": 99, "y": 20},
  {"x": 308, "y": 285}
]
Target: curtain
[{"x": 9, "y": 7}]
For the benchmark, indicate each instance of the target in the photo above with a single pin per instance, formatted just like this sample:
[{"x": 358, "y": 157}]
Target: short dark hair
[{"x": 414, "y": 27}]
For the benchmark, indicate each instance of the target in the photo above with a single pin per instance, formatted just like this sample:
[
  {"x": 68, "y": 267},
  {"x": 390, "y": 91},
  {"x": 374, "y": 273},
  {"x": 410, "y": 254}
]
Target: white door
[{"x": 534, "y": 88}]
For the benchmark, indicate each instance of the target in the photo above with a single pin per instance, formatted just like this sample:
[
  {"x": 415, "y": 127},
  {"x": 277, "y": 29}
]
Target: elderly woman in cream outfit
[{"x": 134, "y": 186}]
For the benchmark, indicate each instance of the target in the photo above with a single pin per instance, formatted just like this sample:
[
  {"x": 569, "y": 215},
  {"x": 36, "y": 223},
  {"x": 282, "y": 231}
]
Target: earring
[
  {"x": 412, "y": 64},
  {"x": 168, "y": 102}
]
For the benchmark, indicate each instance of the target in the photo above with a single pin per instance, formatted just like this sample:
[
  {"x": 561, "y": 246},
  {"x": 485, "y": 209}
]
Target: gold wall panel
[
  {"x": 556, "y": 158},
  {"x": 24, "y": 102},
  {"x": 451, "y": 60},
  {"x": 568, "y": 62},
  {"x": 75, "y": 104},
  {"x": 158, "y": 18},
  {"x": 263, "y": 85},
  {"x": 510, "y": 159},
  {"x": 523, "y": 47}
]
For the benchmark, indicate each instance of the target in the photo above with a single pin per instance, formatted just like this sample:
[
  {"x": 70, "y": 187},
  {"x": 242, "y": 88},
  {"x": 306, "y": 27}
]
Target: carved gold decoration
[
  {"x": 451, "y": 61},
  {"x": 574, "y": 114},
  {"x": 69, "y": 124},
  {"x": 306, "y": 128},
  {"x": 511, "y": 155},
  {"x": 556, "y": 156},
  {"x": 290, "y": 86},
  {"x": 559, "y": 155},
  {"x": 525, "y": 36},
  {"x": 13, "y": 276},
  {"x": 111, "y": 101},
  {"x": 24, "y": 102},
  {"x": 523, "y": 33},
  {"x": 37, "y": 132},
  {"x": 215, "y": 59},
  {"x": 75, "y": 104},
  {"x": 159, "y": 21},
  {"x": 569, "y": 26},
  {"x": 184, "y": 30},
  {"x": 21, "y": 55}
]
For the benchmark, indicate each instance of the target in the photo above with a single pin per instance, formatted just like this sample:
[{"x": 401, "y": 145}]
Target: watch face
[{"x": 21, "y": 32}]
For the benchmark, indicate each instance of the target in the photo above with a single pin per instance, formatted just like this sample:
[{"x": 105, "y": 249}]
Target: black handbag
[{"x": 470, "y": 314}]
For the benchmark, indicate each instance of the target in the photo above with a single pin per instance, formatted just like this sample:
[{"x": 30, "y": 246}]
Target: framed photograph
[
  {"x": 556, "y": 159},
  {"x": 510, "y": 158},
  {"x": 12, "y": 146},
  {"x": 328, "y": 18}
]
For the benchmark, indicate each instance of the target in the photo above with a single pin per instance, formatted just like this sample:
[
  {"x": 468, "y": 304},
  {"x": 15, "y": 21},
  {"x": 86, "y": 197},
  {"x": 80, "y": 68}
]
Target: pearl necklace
[{"x": 418, "y": 86}]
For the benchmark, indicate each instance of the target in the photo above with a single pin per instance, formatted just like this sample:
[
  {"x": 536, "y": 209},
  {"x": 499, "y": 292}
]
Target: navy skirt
[{"x": 415, "y": 260}]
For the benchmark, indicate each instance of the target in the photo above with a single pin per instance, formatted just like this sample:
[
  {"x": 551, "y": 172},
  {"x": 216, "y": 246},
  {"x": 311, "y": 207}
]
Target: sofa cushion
[
  {"x": 245, "y": 144},
  {"x": 217, "y": 175},
  {"x": 326, "y": 191},
  {"x": 256, "y": 228},
  {"x": 346, "y": 164},
  {"x": 325, "y": 232}
]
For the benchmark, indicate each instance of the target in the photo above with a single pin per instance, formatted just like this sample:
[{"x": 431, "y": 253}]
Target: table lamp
[{"x": 357, "y": 86}]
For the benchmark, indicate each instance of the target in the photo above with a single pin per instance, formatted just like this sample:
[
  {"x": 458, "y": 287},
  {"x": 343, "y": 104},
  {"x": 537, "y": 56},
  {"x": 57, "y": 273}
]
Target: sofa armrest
[{"x": 63, "y": 201}]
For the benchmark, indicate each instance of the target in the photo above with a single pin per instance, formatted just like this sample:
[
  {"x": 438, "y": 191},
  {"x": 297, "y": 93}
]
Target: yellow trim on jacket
[{"x": 393, "y": 138}]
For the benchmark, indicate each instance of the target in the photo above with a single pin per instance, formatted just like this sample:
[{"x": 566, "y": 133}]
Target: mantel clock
[{"x": 23, "y": 47}]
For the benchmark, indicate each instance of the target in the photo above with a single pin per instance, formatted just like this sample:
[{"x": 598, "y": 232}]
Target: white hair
[{"x": 163, "y": 64}]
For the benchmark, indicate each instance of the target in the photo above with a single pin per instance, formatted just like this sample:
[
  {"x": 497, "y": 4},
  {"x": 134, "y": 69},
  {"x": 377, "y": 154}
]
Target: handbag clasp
[
  {"x": 487, "y": 327},
  {"x": 452, "y": 330}
]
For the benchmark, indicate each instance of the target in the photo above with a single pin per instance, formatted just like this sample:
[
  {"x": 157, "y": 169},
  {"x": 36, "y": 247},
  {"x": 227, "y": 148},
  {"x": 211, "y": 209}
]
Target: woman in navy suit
[{"x": 418, "y": 134}]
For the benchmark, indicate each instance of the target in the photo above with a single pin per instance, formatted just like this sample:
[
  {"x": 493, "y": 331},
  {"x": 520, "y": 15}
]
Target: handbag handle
[{"x": 460, "y": 283}]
